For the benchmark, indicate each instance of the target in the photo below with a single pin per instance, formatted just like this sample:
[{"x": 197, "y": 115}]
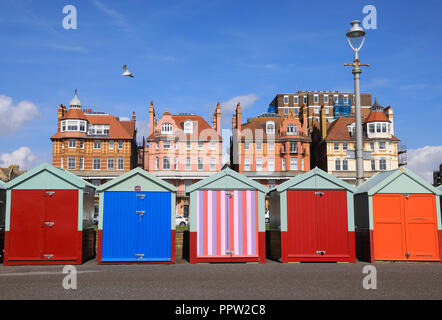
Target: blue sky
[{"x": 188, "y": 55}]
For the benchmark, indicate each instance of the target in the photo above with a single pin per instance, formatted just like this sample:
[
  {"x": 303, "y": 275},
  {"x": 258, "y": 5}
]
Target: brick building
[
  {"x": 183, "y": 149},
  {"x": 270, "y": 148},
  {"x": 313, "y": 101},
  {"x": 334, "y": 143},
  {"x": 95, "y": 146}
]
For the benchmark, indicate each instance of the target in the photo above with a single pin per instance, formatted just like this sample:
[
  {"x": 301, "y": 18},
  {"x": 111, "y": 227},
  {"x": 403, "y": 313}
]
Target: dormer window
[
  {"x": 98, "y": 130},
  {"x": 73, "y": 125},
  {"x": 270, "y": 127},
  {"x": 166, "y": 128},
  {"x": 292, "y": 129},
  {"x": 188, "y": 126}
]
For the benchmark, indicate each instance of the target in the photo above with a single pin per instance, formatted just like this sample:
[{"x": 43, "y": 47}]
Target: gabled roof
[
  {"x": 117, "y": 129},
  {"x": 74, "y": 113},
  {"x": 226, "y": 172},
  {"x": 377, "y": 117},
  {"x": 133, "y": 172},
  {"x": 338, "y": 130},
  {"x": 310, "y": 174},
  {"x": 382, "y": 179},
  {"x": 60, "y": 173},
  {"x": 199, "y": 124}
]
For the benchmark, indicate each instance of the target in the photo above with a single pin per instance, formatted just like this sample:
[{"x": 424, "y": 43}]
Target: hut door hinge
[
  {"x": 320, "y": 252},
  {"x": 140, "y": 256},
  {"x": 48, "y": 256},
  {"x": 230, "y": 253}
]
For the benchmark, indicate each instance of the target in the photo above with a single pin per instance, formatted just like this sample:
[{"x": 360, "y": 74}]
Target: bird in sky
[{"x": 126, "y": 72}]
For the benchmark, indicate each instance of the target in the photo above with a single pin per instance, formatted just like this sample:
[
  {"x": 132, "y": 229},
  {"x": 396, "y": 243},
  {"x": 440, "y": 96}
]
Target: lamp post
[{"x": 356, "y": 37}]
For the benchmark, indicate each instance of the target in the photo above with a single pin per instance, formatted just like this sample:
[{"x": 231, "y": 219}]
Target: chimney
[
  {"x": 238, "y": 118},
  {"x": 304, "y": 118},
  {"x": 323, "y": 123},
  {"x": 60, "y": 115},
  {"x": 218, "y": 118},
  {"x": 233, "y": 122},
  {"x": 151, "y": 118},
  {"x": 389, "y": 114},
  {"x": 133, "y": 116}
]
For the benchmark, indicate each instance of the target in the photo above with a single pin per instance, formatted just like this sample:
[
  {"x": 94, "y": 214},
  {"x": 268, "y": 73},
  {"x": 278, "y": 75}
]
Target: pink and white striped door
[{"x": 227, "y": 223}]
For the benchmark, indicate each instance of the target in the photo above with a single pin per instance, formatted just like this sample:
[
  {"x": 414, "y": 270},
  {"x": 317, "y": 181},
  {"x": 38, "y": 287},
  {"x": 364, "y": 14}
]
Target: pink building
[{"x": 183, "y": 149}]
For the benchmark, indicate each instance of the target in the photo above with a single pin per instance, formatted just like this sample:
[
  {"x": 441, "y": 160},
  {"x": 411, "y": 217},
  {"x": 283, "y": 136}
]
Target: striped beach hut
[{"x": 227, "y": 219}]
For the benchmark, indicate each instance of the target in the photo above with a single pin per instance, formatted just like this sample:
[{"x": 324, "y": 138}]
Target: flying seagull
[{"x": 126, "y": 72}]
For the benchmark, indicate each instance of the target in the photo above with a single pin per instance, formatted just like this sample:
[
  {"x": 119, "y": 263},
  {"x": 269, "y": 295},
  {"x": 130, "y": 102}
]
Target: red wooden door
[
  {"x": 333, "y": 235},
  {"x": 302, "y": 224},
  {"x": 317, "y": 224},
  {"x": 61, "y": 225},
  {"x": 26, "y": 225}
]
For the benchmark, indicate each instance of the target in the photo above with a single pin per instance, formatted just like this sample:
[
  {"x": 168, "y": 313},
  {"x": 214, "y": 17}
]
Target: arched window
[
  {"x": 166, "y": 128},
  {"x": 292, "y": 129},
  {"x": 188, "y": 126},
  {"x": 270, "y": 127},
  {"x": 338, "y": 164}
]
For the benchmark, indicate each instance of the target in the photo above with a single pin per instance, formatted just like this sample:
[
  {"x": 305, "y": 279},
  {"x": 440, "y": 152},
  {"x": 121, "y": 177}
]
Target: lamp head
[{"x": 356, "y": 35}]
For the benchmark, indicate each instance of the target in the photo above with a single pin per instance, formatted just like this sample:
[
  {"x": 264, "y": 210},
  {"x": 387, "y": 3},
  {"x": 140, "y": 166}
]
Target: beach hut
[
  {"x": 397, "y": 218},
  {"x": 136, "y": 219},
  {"x": 227, "y": 219},
  {"x": 312, "y": 219},
  {"x": 2, "y": 219},
  {"x": 49, "y": 218}
]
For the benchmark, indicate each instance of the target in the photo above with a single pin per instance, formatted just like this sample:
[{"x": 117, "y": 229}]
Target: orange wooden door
[
  {"x": 388, "y": 227},
  {"x": 421, "y": 227},
  {"x": 405, "y": 227}
]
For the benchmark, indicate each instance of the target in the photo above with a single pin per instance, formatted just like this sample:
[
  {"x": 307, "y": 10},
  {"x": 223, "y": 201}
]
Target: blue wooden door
[
  {"x": 154, "y": 235},
  {"x": 136, "y": 226}
]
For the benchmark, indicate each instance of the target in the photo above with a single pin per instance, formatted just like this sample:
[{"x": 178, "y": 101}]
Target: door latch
[
  {"x": 320, "y": 252},
  {"x": 230, "y": 253},
  {"x": 50, "y": 193},
  {"x": 228, "y": 193},
  {"x": 408, "y": 255},
  {"x": 406, "y": 195},
  {"x": 319, "y": 194},
  {"x": 139, "y": 255},
  {"x": 48, "y": 256},
  {"x": 49, "y": 223},
  {"x": 141, "y": 196}
]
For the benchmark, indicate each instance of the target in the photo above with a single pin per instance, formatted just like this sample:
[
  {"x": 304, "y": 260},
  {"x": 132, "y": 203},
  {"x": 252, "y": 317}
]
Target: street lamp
[{"x": 356, "y": 37}]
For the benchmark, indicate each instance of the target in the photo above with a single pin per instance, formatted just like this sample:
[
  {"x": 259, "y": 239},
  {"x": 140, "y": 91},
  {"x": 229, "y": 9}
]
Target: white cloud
[
  {"x": 423, "y": 161},
  {"x": 229, "y": 107},
  {"x": 12, "y": 118},
  {"x": 22, "y": 157}
]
